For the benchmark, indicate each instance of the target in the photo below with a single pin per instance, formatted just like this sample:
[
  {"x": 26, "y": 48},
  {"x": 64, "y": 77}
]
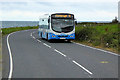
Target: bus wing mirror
[{"x": 76, "y": 22}]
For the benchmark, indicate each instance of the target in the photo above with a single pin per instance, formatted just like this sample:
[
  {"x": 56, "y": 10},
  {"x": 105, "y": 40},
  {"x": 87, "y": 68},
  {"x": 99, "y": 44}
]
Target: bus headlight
[
  {"x": 71, "y": 36},
  {"x": 53, "y": 36}
]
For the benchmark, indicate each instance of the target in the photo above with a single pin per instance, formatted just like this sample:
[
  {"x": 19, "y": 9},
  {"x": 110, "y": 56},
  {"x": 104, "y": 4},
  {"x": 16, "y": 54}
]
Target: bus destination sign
[{"x": 62, "y": 16}]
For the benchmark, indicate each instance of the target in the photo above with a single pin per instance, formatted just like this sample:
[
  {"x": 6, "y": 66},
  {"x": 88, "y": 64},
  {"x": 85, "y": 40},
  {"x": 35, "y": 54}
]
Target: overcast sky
[{"x": 84, "y": 10}]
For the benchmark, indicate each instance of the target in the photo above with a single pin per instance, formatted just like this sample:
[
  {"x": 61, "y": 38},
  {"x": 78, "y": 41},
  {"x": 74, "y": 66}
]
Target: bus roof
[
  {"x": 44, "y": 16},
  {"x": 63, "y": 13}
]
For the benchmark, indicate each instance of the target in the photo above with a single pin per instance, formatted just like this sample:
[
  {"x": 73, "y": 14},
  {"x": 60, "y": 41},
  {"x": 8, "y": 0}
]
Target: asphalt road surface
[{"x": 37, "y": 58}]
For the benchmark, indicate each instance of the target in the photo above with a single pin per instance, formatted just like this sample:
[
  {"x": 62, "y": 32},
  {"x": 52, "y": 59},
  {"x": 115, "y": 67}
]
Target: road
[{"x": 37, "y": 58}]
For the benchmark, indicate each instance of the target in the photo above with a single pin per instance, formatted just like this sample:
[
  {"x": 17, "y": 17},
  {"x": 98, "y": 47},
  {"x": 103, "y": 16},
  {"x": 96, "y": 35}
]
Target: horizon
[{"x": 77, "y": 21}]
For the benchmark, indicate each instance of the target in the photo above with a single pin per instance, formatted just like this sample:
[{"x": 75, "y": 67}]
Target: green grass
[
  {"x": 98, "y": 35},
  {"x": 6, "y": 31}
]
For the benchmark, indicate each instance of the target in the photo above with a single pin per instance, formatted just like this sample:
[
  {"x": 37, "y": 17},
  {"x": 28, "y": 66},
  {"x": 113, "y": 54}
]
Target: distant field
[{"x": 103, "y": 36}]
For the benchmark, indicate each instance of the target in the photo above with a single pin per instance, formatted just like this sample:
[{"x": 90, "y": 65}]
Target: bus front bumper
[{"x": 62, "y": 36}]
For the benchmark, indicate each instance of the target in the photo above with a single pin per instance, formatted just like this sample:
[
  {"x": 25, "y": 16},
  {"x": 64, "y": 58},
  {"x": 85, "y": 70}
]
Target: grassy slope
[
  {"x": 13, "y": 29},
  {"x": 100, "y": 36}
]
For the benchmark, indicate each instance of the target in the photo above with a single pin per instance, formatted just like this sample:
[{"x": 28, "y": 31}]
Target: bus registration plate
[{"x": 62, "y": 38}]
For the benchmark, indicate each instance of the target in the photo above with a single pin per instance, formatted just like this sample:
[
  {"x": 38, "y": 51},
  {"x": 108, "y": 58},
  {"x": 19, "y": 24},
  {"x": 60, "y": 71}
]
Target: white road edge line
[
  {"x": 96, "y": 49},
  {"x": 10, "y": 55},
  {"x": 46, "y": 45},
  {"x": 60, "y": 52},
  {"x": 82, "y": 67}
]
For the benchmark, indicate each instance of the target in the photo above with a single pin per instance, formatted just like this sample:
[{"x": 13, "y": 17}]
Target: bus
[{"x": 57, "y": 26}]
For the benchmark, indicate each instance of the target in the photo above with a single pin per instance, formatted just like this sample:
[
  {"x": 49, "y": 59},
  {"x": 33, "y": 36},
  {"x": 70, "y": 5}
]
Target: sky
[{"x": 84, "y": 10}]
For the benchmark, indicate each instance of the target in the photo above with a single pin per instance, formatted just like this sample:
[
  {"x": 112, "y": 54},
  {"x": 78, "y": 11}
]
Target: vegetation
[
  {"x": 13, "y": 29},
  {"x": 115, "y": 20},
  {"x": 98, "y": 35}
]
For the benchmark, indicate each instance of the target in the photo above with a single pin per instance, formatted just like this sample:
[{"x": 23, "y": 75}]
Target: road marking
[
  {"x": 60, "y": 52},
  {"x": 10, "y": 55},
  {"x": 82, "y": 67},
  {"x": 68, "y": 58},
  {"x": 33, "y": 37},
  {"x": 31, "y": 34},
  {"x": 50, "y": 46},
  {"x": 46, "y": 45},
  {"x": 38, "y": 40},
  {"x": 104, "y": 62},
  {"x": 96, "y": 49}
]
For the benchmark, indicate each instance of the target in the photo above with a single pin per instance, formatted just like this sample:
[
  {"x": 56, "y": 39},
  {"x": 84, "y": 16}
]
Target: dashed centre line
[
  {"x": 46, "y": 45},
  {"x": 82, "y": 67},
  {"x": 65, "y": 56},
  {"x": 60, "y": 52},
  {"x": 38, "y": 40}
]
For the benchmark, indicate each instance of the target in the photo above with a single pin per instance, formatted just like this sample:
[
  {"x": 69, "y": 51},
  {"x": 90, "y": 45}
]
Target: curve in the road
[
  {"x": 10, "y": 55},
  {"x": 54, "y": 49}
]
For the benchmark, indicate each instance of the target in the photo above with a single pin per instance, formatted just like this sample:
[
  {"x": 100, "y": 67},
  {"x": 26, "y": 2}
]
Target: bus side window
[
  {"x": 49, "y": 20},
  {"x": 49, "y": 23}
]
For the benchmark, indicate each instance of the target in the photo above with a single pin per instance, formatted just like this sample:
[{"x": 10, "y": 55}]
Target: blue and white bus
[{"x": 57, "y": 26}]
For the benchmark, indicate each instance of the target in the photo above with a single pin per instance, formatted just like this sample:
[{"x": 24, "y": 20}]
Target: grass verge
[
  {"x": 104, "y": 36},
  {"x": 6, "y": 31}
]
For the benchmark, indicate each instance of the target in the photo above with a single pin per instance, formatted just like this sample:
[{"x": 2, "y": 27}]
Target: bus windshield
[{"x": 62, "y": 25}]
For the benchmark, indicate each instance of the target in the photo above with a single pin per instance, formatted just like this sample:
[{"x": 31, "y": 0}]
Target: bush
[
  {"x": 84, "y": 34},
  {"x": 115, "y": 20},
  {"x": 111, "y": 39},
  {"x": 105, "y": 36}
]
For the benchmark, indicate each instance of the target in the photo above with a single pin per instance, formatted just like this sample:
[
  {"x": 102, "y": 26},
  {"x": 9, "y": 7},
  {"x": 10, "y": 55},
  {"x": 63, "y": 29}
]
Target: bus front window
[{"x": 63, "y": 25}]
